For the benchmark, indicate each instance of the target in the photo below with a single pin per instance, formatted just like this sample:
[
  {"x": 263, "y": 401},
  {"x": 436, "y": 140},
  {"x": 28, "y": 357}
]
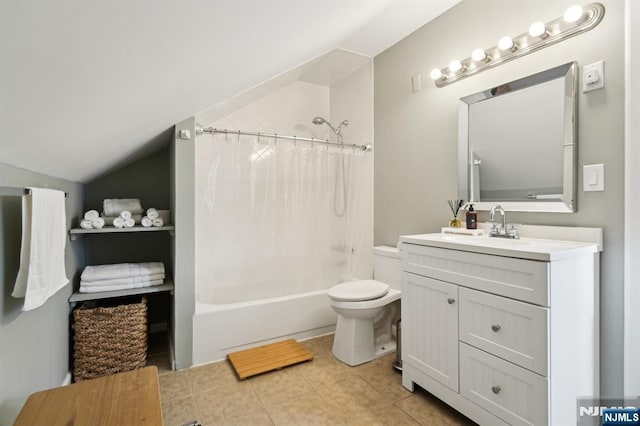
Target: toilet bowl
[{"x": 367, "y": 311}]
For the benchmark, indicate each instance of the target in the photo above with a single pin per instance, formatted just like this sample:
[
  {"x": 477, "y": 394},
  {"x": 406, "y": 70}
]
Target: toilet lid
[{"x": 357, "y": 291}]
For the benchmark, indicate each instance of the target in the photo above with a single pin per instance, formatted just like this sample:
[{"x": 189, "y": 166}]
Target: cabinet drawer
[
  {"x": 516, "y": 395},
  {"x": 515, "y": 331},
  {"x": 521, "y": 279}
]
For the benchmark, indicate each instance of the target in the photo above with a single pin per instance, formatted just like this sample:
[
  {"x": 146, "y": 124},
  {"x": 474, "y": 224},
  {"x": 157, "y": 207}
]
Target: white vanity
[{"x": 504, "y": 331}]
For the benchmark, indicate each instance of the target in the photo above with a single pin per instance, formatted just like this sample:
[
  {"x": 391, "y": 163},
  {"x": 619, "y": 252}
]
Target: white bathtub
[{"x": 221, "y": 329}]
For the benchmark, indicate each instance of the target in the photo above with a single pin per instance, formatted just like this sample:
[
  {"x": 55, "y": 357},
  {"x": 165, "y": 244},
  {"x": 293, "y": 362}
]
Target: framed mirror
[{"x": 517, "y": 143}]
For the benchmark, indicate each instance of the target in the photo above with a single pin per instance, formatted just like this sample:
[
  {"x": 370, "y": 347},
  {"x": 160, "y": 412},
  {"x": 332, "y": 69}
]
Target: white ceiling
[{"x": 88, "y": 84}]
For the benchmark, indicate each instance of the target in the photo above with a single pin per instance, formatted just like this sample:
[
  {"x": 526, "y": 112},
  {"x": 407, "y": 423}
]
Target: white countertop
[{"x": 523, "y": 248}]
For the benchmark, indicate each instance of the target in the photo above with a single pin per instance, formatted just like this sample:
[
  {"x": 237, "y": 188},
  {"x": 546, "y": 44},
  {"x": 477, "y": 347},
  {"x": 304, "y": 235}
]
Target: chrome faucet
[{"x": 502, "y": 231}]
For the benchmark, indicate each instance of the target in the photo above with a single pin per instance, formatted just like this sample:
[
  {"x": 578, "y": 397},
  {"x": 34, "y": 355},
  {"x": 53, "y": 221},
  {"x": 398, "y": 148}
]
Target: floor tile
[
  {"x": 179, "y": 411},
  {"x": 217, "y": 374},
  {"x": 306, "y": 410},
  {"x": 429, "y": 410},
  {"x": 324, "y": 371},
  {"x": 174, "y": 385},
  {"x": 279, "y": 386}
]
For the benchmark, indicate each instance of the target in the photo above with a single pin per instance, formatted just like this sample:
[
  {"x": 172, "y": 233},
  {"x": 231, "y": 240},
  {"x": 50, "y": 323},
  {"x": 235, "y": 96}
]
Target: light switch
[
  {"x": 593, "y": 177},
  {"x": 416, "y": 83}
]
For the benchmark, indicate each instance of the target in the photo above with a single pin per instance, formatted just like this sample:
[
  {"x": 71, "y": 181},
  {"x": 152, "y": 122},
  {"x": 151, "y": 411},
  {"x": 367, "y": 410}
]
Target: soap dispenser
[{"x": 472, "y": 218}]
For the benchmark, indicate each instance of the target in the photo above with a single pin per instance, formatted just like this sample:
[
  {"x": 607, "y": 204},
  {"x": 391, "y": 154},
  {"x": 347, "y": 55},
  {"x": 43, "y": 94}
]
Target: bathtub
[{"x": 221, "y": 329}]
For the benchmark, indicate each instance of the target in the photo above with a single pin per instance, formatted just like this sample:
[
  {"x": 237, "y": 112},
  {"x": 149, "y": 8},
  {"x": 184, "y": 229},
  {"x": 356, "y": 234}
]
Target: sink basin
[{"x": 525, "y": 248}]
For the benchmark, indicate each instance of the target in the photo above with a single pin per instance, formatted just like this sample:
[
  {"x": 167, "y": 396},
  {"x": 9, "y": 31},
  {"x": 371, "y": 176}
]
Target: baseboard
[{"x": 67, "y": 379}]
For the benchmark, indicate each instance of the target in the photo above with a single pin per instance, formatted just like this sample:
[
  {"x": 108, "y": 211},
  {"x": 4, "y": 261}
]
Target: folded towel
[
  {"x": 123, "y": 281},
  {"x": 96, "y": 289},
  {"x": 152, "y": 213},
  {"x": 113, "y": 207},
  {"x": 129, "y": 223},
  {"x": 42, "y": 259},
  {"x": 97, "y": 222},
  {"x": 121, "y": 270},
  {"x": 108, "y": 220},
  {"x": 86, "y": 224},
  {"x": 158, "y": 222},
  {"x": 118, "y": 222},
  {"x": 91, "y": 214},
  {"x": 146, "y": 222},
  {"x": 125, "y": 214}
]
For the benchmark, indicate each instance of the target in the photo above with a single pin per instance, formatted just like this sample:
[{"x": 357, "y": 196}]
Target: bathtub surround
[
  {"x": 34, "y": 354},
  {"x": 416, "y": 136}
]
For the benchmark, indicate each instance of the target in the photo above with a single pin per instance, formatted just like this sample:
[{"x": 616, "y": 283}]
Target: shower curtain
[{"x": 268, "y": 217}]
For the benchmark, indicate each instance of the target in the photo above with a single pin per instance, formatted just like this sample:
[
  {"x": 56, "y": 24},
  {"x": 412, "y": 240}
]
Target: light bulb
[
  {"x": 573, "y": 14},
  {"x": 455, "y": 66},
  {"x": 505, "y": 43},
  {"x": 479, "y": 55},
  {"x": 538, "y": 29},
  {"x": 436, "y": 74}
]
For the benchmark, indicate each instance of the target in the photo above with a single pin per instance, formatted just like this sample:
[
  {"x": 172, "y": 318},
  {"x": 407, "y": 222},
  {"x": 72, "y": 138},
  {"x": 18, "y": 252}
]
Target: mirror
[{"x": 517, "y": 143}]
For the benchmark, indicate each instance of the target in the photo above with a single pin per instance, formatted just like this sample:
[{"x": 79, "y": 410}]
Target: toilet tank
[{"x": 387, "y": 265}]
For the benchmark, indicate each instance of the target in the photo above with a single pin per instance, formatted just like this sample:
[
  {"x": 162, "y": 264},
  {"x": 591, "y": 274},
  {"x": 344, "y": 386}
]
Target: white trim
[{"x": 632, "y": 202}]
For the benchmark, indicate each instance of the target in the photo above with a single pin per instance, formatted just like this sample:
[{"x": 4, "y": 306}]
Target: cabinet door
[{"x": 430, "y": 327}]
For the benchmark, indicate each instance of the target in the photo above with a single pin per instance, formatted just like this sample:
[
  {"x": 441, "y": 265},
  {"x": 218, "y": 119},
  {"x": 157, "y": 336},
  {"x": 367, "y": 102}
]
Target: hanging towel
[
  {"x": 113, "y": 207},
  {"x": 44, "y": 235}
]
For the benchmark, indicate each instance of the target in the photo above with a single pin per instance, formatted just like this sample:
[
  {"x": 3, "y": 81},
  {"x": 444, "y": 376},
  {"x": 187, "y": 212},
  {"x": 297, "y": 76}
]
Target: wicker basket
[{"x": 109, "y": 339}]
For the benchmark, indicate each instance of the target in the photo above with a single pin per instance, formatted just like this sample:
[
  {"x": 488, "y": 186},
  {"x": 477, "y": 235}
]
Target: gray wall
[
  {"x": 183, "y": 208},
  {"x": 416, "y": 134},
  {"x": 34, "y": 345}
]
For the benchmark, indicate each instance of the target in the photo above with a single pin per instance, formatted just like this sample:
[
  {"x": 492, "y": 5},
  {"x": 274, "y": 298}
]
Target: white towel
[
  {"x": 108, "y": 220},
  {"x": 123, "y": 281},
  {"x": 86, "y": 224},
  {"x": 113, "y": 207},
  {"x": 96, "y": 289},
  {"x": 121, "y": 270},
  {"x": 97, "y": 222},
  {"x": 158, "y": 222},
  {"x": 152, "y": 213},
  {"x": 146, "y": 222},
  {"x": 44, "y": 235},
  {"x": 125, "y": 214},
  {"x": 129, "y": 223},
  {"x": 118, "y": 222},
  {"x": 91, "y": 214}
]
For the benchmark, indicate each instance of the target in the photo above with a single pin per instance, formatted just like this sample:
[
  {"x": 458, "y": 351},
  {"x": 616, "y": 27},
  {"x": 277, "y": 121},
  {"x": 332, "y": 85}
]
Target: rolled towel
[
  {"x": 108, "y": 220},
  {"x": 91, "y": 214},
  {"x": 165, "y": 215},
  {"x": 113, "y": 207},
  {"x": 97, "y": 222},
  {"x": 158, "y": 222},
  {"x": 146, "y": 222},
  {"x": 152, "y": 213},
  {"x": 125, "y": 214},
  {"x": 86, "y": 224},
  {"x": 129, "y": 223},
  {"x": 118, "y": 222}
]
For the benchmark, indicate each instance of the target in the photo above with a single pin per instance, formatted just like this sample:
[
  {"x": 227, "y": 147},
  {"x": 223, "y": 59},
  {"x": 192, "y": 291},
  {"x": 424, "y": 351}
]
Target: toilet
[{"x": 368, "y": 310}]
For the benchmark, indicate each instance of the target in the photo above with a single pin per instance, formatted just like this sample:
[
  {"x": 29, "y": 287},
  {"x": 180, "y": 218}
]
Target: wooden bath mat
[{"x": 274, "y": 356}]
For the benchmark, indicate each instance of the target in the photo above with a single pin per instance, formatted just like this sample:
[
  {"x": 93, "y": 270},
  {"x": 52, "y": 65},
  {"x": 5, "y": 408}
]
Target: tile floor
[{"x": 320, "y": 392}]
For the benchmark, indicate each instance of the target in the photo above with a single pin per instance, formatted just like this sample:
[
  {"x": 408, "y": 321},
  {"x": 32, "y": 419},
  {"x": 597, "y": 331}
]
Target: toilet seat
[{"x": 358, "y": 291}]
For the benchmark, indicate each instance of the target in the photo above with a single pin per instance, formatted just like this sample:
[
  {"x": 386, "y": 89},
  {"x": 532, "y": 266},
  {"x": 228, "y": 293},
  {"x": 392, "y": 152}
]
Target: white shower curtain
[{"x": 268, "y": 217}]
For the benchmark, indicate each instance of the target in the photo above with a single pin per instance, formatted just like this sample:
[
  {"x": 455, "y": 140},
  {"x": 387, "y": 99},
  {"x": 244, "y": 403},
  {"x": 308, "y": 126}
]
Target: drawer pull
[
  {"x": 495, "y": 389},
  {"x": 451, "y": 300},
  {"x": 495, "y": 327}
]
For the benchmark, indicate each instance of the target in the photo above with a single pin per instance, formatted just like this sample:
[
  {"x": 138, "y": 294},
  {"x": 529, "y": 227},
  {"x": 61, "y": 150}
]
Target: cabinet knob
[
  {"x": 495, "y": 389},
  {"x": 495, "y": 327},
  {"x": 451, "y": 300}
]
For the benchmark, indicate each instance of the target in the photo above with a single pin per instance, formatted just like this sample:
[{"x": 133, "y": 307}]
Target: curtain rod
[{"x": 211, "y": 130}]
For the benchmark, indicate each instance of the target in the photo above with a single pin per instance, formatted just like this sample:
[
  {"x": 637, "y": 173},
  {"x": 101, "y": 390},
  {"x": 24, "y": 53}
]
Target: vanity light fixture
[{"x": 575, "y": 20}]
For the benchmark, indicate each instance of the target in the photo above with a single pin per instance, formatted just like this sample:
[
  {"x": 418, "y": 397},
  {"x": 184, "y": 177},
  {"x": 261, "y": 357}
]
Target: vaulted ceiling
[{"x": 88, "y": 84}]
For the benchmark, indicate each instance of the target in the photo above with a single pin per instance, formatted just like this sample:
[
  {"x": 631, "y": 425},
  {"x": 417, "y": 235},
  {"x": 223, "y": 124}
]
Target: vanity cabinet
[{"x": 499, "y": 333}]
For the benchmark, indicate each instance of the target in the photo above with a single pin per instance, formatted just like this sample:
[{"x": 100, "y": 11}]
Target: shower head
[{"x": 320, "y": 121}]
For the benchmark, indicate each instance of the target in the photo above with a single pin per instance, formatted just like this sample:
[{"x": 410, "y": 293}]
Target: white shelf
[
  {"x": 81, "y": 297},
  {"x": 112, "y": 230}
]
